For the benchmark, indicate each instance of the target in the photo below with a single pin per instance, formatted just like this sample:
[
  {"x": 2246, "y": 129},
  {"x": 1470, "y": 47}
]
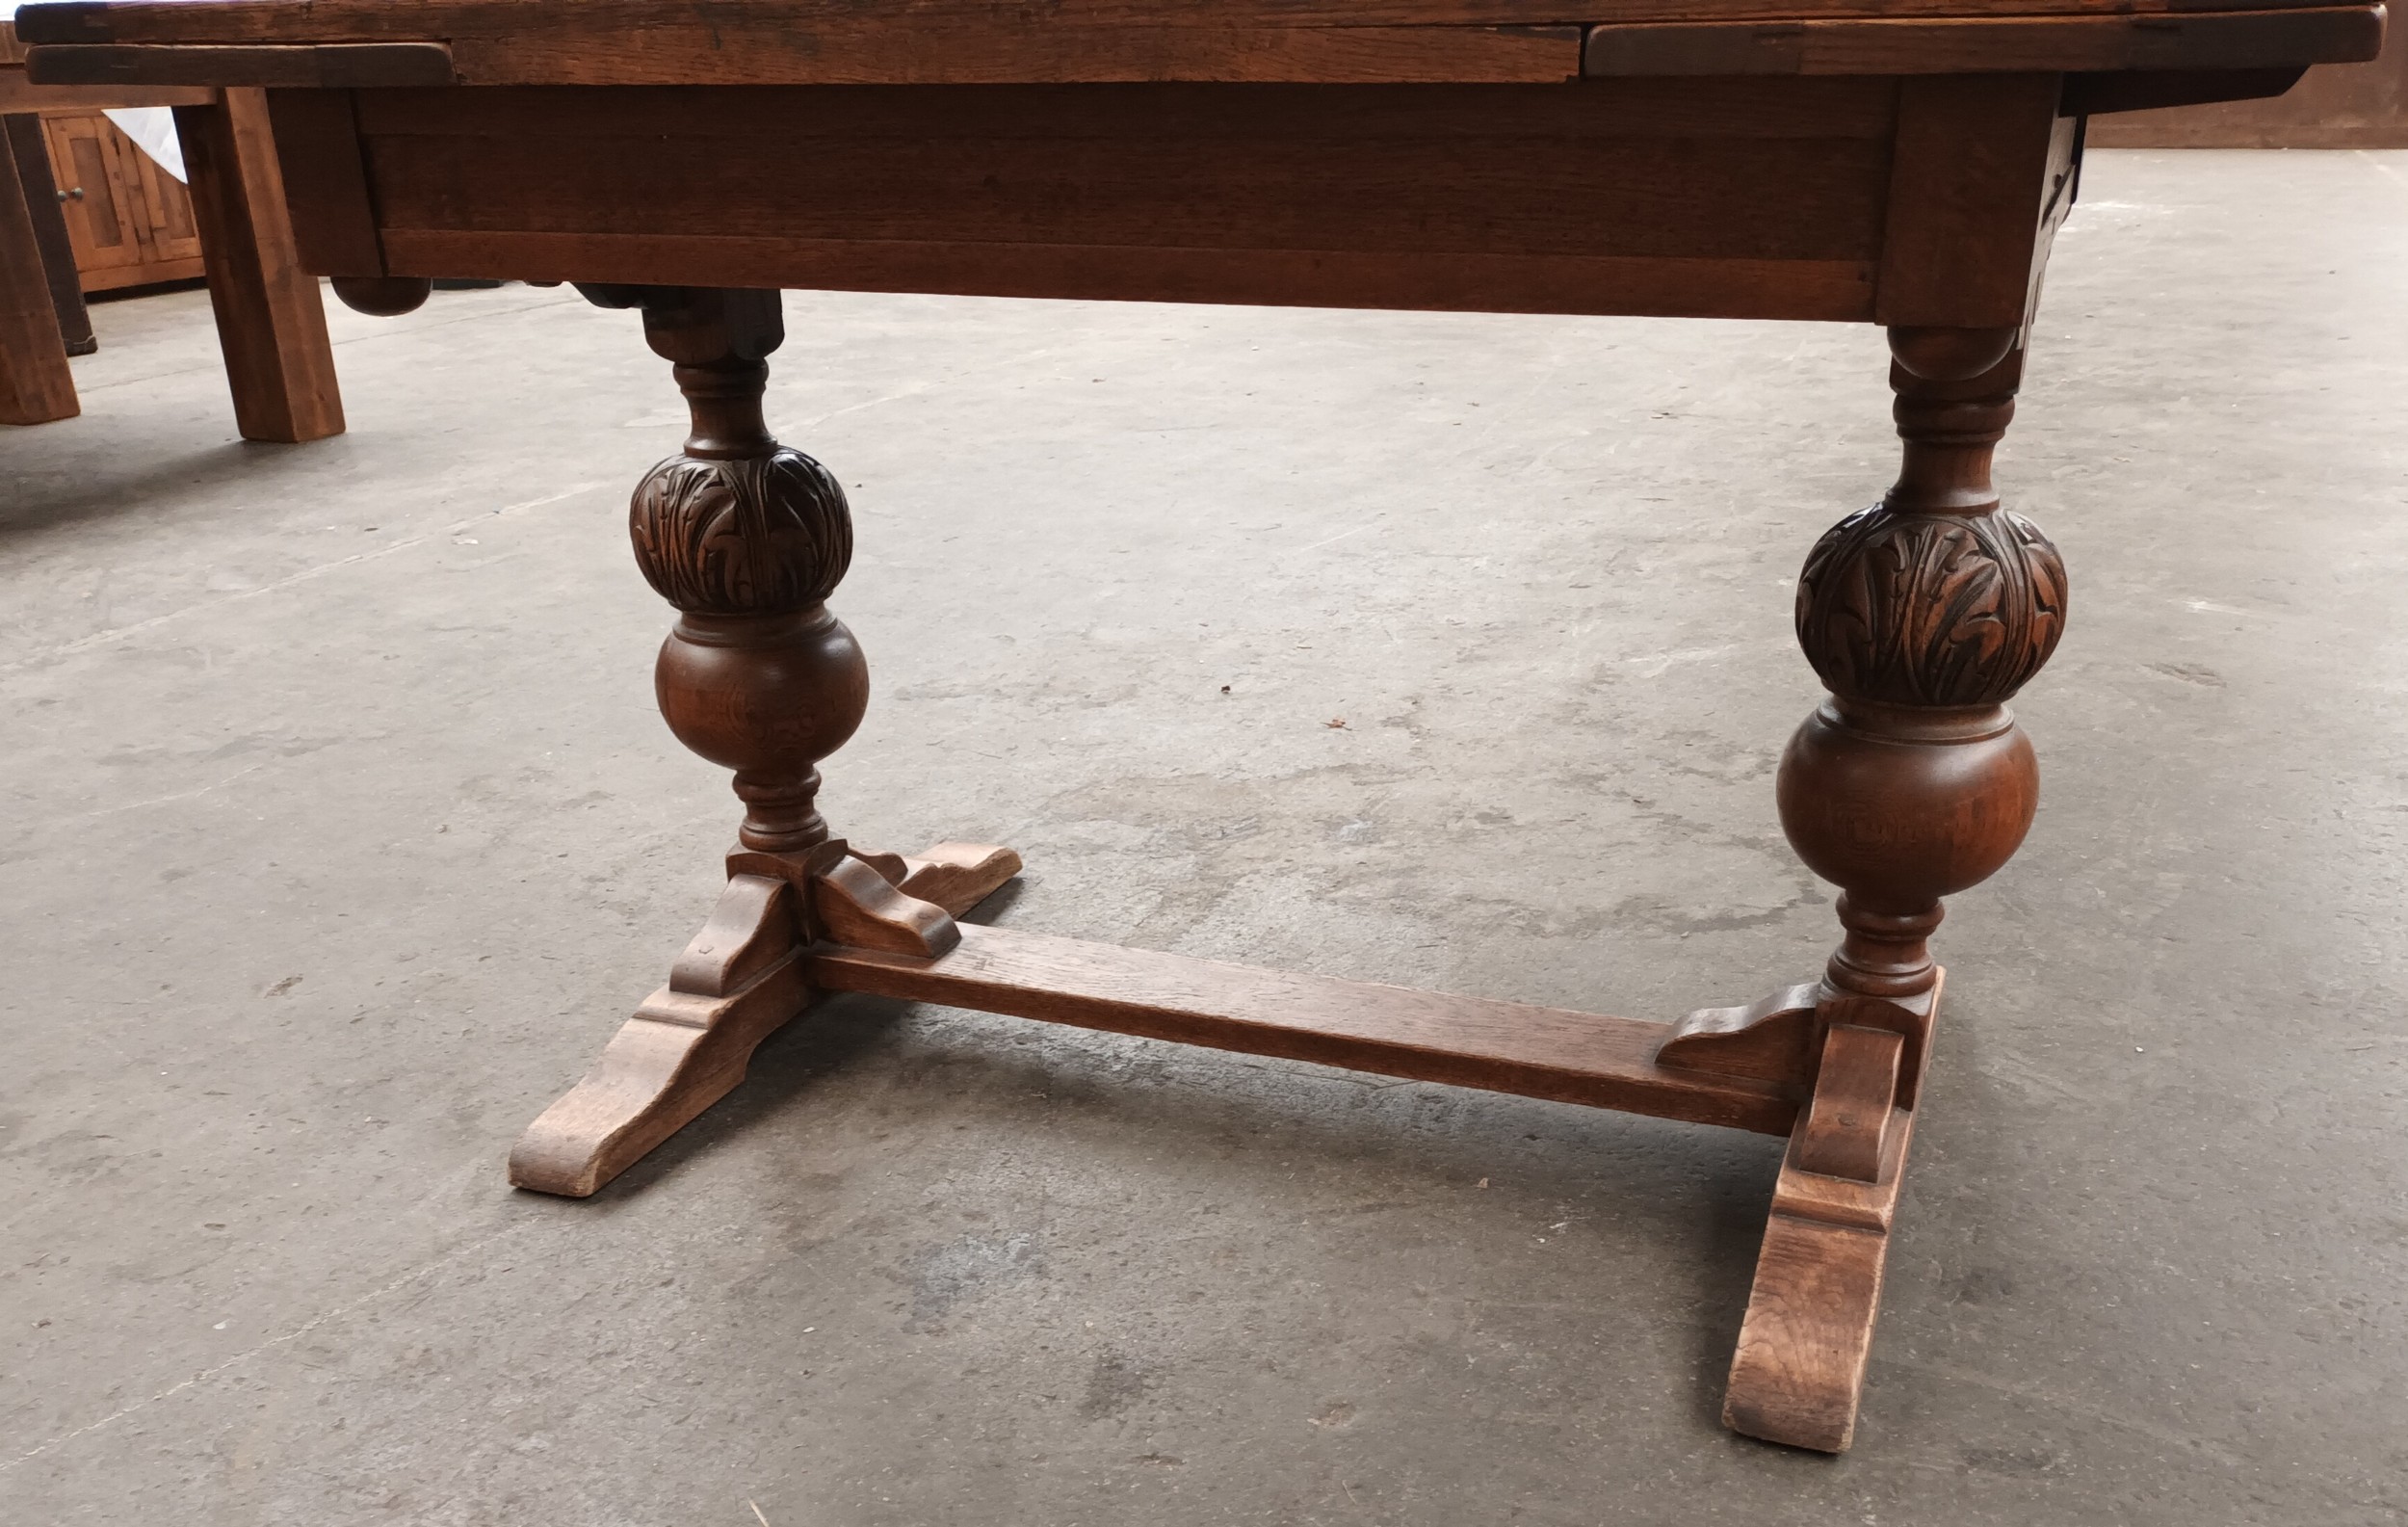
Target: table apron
[{"x": 1755, "y": 197}]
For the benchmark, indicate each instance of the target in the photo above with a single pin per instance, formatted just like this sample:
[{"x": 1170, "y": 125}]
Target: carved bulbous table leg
[
  {"x": 1923, "y": 616},
  {"x": 747, "y": 539}
]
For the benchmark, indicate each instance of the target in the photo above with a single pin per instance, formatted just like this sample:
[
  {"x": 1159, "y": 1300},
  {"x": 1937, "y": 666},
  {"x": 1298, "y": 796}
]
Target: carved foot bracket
[
  {"x": 741, "y": 979},
  {"x": 1799, "y": 1370},
  {"x": 687, "y": 1047}
]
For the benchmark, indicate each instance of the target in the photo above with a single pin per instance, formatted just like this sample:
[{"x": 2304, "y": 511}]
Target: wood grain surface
[
  {"x": 359, "y": 20},
  {"x": 1426, "y": 1036},
  {"x": 337, "y": 65},
  {"x": 1708, "y": 198},
  {"x": 272, "y": 322},
  {"x": 36, "y": 385},
  {"x": 967, "y": 42},
  {"x": 2248, "y": 39},
  {"x": 1798, "y": 1373}
]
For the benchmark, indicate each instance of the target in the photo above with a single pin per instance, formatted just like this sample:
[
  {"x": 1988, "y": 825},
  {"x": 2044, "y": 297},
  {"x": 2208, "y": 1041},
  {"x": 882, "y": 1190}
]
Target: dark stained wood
[
  {"x": 2336, "y": 106},
  {"x": 2103, "y": 94},
  {"x": 1798, "y": 1373},
  {"x": 18, "y": 95},
  {"x": 1913, "y": 780},
  {"x": 325, "y": 182},
  {"x": 1982, "y": 173},
  {"x": 1424, "y": 1036},
  {"x": 1677, "y": 198},
  {"x": 976, "y": 41},
  {"x": 875, "y": 54},
  {"x": 747, "y": 539},
  {"x": 271, "y": 323},
  {"x": 1924, "y": 615},
  {"x": 1919, "y": 188},
  {"x": 338, "y": 67},
  {"x": 22, "y": 138},
  {"x": 1487, "y": 170},
  {"x": 36, "y": 385},
  {"x": 570, "y": 27},
  {"x": 1772, "y": 1038},
  {"x": 1847, "y": 1127},
  {"x": 999, "y": 48},
  {"x": 382, "y": 296},
  {"x": 1985, "y": 44},
  {"x": 1650, "y": 287},
  {"x": 1660, "y": 111}
]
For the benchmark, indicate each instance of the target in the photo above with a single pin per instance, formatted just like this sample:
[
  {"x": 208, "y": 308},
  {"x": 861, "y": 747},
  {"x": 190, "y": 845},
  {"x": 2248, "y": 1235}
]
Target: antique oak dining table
[{"x": 1896, "y": 162}]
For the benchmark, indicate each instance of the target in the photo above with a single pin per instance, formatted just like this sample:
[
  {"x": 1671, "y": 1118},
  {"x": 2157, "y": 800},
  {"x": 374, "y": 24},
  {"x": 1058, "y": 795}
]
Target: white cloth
[{"x": 153, "y": 129}]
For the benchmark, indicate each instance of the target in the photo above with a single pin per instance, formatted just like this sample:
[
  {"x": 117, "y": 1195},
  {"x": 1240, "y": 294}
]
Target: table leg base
[
  {"x": 1824, "y": 1067},
  {"x": 1800, "y": 1365},
  {"x": 741, "y": 979},
  {"x": 1799, "y": 1370}
]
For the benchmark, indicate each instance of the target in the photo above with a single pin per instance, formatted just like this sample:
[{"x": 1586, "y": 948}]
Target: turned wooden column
[
  {"x": 747, "y": 539},
  {"x": 1924, "y": 615}
]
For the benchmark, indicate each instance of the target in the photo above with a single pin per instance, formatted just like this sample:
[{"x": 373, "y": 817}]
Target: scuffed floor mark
[{"x": 947, "y": 1275}]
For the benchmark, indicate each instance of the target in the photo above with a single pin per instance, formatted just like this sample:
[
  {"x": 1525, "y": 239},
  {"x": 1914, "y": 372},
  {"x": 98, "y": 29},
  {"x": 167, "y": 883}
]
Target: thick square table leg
[
  {"x": 271, "y": 323},
  {"x": 30, "y": 148},
  {"x": 36, "y": 385}
]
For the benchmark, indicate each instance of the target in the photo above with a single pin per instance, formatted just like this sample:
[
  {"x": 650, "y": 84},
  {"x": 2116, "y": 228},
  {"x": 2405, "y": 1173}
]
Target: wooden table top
[
  {"x": 401, "y": 43},
  {"x": 18, "y": 95}
]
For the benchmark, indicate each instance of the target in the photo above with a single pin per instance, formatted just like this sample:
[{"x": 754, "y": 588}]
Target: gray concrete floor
[{"x": 341, "y": 834}]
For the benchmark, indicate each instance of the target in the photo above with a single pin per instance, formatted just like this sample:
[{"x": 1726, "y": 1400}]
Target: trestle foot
[
  {"x": 741, "y": 979},
  {"x": 1799, "y": 1370}
]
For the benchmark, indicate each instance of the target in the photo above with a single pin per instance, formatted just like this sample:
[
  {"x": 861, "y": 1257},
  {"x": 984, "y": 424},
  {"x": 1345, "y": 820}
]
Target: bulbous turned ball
[
  {"x": 1925, "y": 807},
  {"x": 1931, "y": 609},
  {"x": 755, "y": 534},
  {"x": 763, "y": 693}
]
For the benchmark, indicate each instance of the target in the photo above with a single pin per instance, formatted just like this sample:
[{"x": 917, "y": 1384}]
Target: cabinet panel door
[
  {"x": 102, "y": 221},
  {"x": 167, "y": 206},
  {"x": 131, "y": 221}
]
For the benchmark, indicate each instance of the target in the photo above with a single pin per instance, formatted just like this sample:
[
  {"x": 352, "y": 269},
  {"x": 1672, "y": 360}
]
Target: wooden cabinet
[{"x": 130, "y": 222}]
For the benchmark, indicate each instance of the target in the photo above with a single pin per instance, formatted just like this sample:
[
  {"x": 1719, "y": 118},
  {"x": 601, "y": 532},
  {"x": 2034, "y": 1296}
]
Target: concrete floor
[{"x": 341, "y": 834}]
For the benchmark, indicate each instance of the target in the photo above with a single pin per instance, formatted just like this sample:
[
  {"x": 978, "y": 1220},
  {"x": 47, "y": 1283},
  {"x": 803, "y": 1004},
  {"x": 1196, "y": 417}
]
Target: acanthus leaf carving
[
  {"x": 758, "y": 535},
  {"x": 1931, "y": 609}
]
